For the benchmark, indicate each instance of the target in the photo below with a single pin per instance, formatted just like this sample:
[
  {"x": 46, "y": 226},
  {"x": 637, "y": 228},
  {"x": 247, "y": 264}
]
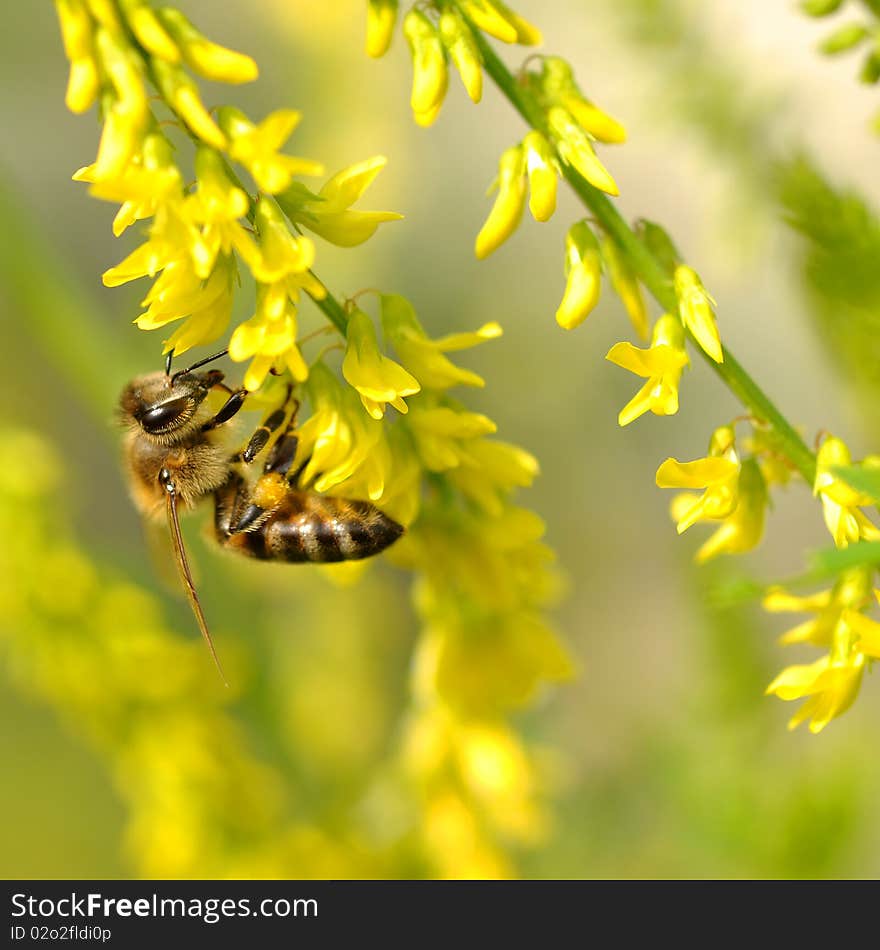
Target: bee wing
[{"x": 186, "y": 576}]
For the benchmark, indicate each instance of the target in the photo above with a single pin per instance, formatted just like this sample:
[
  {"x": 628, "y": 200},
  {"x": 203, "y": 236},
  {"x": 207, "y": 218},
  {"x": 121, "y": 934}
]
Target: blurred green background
[{"x": 663, "y": 757}]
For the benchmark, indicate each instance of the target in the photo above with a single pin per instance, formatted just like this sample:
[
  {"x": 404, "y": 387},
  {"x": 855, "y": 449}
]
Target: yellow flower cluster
[
  {"x": 732, "y": 483},
  {"x": 199, "y": 235}
]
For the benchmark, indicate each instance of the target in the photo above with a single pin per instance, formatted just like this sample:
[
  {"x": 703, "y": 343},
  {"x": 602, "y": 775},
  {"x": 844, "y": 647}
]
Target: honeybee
[{"x": 176, "y": 456}]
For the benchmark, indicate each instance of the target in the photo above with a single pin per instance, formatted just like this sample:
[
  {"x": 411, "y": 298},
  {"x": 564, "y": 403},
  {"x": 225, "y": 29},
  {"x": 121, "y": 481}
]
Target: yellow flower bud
[
  {"x": 584, "y": 282},
  {"x": 459, "y": 42},
  {"x": 206, "y": 58},
  {"x": 575, "y": 149},
  {"x": 543, "y": 181},
  {"x": 381, "y": 19},
  {"x": 841, "y": 503},
  {"x": 593, "y": 120},
  {"x": 695, "y": 306},
  {"x": 506, "y": 213},
  {"x": 83, "y": 83},
  {"x": 183, "y": 95},
  {"x": 489, "y": 19},
  {"x": 429, "y": 62},
  {"x": 627, "y": 285},
  {"x": 149, "y": 31}
]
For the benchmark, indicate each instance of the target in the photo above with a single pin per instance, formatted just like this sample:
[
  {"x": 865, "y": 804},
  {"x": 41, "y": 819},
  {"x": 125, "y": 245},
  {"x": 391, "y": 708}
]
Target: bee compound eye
[{"x": 166, "y": 415}]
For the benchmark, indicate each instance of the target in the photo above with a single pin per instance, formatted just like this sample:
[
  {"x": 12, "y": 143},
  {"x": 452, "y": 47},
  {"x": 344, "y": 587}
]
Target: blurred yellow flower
[
  {"x": 459, "y": 43},
  {"x": 840, "y": 503},
  {"x": 381, "y": 20},
  {"x": 743, "y": 528},
  {"x": 831, "y": 685},
  {"x": 430, "y": 76}
]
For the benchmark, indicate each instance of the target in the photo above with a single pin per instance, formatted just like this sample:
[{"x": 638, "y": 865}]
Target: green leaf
[
  {"x": 844, "y": 39},
  {"x": 833, "y": 561}
]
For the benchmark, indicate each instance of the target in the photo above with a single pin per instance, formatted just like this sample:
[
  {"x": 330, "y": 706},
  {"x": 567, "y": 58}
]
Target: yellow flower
[
  {"x": 556, "y": 85},
  {"x": 441, "y": 434},
  {"x": 488, "y": 470},
  {"x": 831, "y": 684},
  {"x": 459, "y": 42},
  {"x": 381, "y": 19},
  {"x": 430, "y": 77},
  {"x": 743, "y": 528},
  {"x": 83, "y": 83},
  {"x": 543, "y": 182},
  {"x": 378, "y": 379},
  {"x": 661, "y": 365},
  {"x": 328, "y": 213},
  {"x": 282, "y": 255},
  {"x": 840, "y": 503},
  {"x": 695, "y": 308},
  {"x": 626, "y": 283},
  {"x": 148, "y": 29},
  {"x": 575, "y": 149},
  {"x": 498, "y": 20},
  {"x": 268, "y": 339},
  {"x": 583, "y": 268},
  {"x": 506, "y": 213},
  {"x": 148, "y": 181},
  {"x": 346, "y": 450},
  {"x": 851, "y": 592},
  {"x": 422, "y": 356},
  {"x": 181, "y": 292},
  {"x": 256, "y": 147},
  {"x": 206, "y": 58},
  {"x": 171, "y": 238},
  {"x": 718, "y": 475},
  {"x": 182, "y": 94}
]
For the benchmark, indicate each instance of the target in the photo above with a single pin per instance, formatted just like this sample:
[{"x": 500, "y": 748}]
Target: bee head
[{"x": 165, "y": 407}]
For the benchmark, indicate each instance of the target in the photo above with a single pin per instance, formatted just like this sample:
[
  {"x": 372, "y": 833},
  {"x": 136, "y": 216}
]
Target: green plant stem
[{"x": 648, "y": 268}]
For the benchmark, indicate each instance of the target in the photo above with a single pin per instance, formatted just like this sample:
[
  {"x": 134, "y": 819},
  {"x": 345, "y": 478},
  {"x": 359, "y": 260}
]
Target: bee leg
[
  {"x": 271, "y": 424},
  {"x": 227, "y": 410}
]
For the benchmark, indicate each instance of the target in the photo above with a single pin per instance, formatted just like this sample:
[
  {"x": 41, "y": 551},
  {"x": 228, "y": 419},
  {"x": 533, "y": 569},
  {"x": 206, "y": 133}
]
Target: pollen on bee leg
[{"x": 270, "y": 490}]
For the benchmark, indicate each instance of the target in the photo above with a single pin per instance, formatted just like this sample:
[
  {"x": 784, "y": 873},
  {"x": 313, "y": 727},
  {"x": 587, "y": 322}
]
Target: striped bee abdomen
[{"x": 310, "y": 527}]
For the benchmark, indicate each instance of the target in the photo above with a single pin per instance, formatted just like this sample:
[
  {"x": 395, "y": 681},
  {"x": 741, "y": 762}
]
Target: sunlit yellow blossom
[
  {"x": 498, "y": 20},
  {"x": 182, "y": 94},
  {"x": 575, "y": 148},
  {"x": 346, "y": 449},
  {"x": 840, "y": 503},
  {"x": 507, "y": 212},
  {"x": 381, "y": 20},
  {"x": 459, "y": 42},
  {"x": 543, "y": 179},
  {"x": 268, "y": 339},
  {"x": 378, "y": 379},
  {"x": 718, "y": 475},
  {"x": 424, "y": 357},
  {"x": 430, "y": 77},
  {"x": 329, "y": 212},
  {"x": 148, "y": 181},
  {"x": 76, "y": 31},
  {"x": 583, "y": 269},
  {"x": 831, "y": 685},
  {"x": 743, "y": 528},
  {"x": 218, "y": 205},
  {"x": 181, "y": 292},
  {"x": 661, "y": 365},
  {"x": 695, "y": 307},
  {"x": 851, "y": 592},
  {"x": 148, "y": 29},
  {"x": 441, "y": 434},
  {"x": 206, "y": 58},
  {"x": 626, "y": 283},
  {"x": 256, "y": 147},
  {"x": 282, "y": 253},
  {"x": 171, "y": 236}
]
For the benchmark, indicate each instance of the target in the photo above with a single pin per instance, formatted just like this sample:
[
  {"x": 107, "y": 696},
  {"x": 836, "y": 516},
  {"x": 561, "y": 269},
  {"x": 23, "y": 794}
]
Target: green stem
[{"x": 648, "y": 268}]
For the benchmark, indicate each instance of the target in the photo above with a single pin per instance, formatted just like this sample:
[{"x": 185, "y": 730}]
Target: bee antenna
[
  {"x": 189, "y": 369},
  {"x": 168, "y": 360}
]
